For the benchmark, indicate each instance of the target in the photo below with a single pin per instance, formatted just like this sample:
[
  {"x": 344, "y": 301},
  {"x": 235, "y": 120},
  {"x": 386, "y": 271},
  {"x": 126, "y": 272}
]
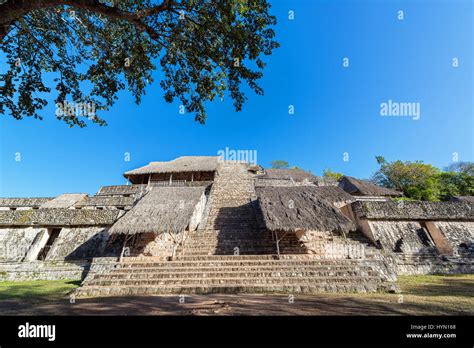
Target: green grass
[
  {"x": 438, "y": 285},
  {"x": 438, "y": 294},
  {"x": 37, "y": 290}
]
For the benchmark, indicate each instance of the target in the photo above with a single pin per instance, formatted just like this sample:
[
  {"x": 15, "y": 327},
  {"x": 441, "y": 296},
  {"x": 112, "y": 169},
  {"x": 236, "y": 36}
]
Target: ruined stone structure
[{"x": 202, "y": 225}]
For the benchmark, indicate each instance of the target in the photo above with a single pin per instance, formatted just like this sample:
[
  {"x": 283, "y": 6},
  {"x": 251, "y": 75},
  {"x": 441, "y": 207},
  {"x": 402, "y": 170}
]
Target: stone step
[
  {"x": 257, "y": 242},
  {"x": 241, "y": 234},
  {"x": 235, "y": 226},
  {"x": 236, "y": 281},
  {"x": 233, "y": 222},
  {"x": 231, "y": 239},
  {"x": 229, "y": 251},
  {"x": 237, "y": 263},
  {"x": 228, "y": 242},
  {"x": 321, "y": 274},
  {"x": 228, "y": 288},
  {"x": 252, "y": 268},
  {"x": 242, "y": 249},
  {"x": 231, "y": 244}
]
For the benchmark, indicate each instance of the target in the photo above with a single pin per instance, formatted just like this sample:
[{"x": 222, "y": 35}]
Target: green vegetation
[
  {"x": 421, "y": 181},
  {"x": 328, "y": 173},
  {"x": 438, "y": 294},
  {"x": 438, "y": 285},
  {"x": 92, "y": 50},
  {"x": 37, "y": 290}
]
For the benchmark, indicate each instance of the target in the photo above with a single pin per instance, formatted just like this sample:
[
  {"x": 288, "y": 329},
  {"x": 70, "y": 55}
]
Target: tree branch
[{"x": 12, "y": 10}]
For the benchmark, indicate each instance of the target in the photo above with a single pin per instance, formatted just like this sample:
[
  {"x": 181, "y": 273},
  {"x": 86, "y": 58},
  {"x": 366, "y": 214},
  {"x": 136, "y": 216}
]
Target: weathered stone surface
[
  {"x": 79, "y": 243},
  {"x": 40, "y": 270},
  {"x": 15, "y": 242},
  {"x": 231, "y": 251},
  {"x": 233, "y": 274}
]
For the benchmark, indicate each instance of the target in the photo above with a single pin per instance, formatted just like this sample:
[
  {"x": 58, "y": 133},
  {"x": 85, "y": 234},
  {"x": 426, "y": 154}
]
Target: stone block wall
[
  {"x": 159, "y": 246},
  {"x": 40, "y": 270},
  {"x": 330, "y": 245},
  {"x": 15, "y": 242},
  {"x": 402, "y": 236},
  {"x": 79, "y": 243},
  {"x": 419, "y": 265},
  {"x": 460, "y": 234}
]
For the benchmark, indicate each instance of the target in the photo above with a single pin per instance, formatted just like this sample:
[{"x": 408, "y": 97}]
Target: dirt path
[{"x": 240, "y": 304}]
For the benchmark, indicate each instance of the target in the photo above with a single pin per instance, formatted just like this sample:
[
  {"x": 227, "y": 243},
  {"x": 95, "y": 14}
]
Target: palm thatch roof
[
  {"x": 104, "y": 201},
  {"x": 416, "y": 210},
  {"x": 364, "y": 188},
  {"x": 58, "y": 217},
  {"x": 35, "y": 202},
  {"x": 289, "y": 174},
  {"x": 469, "y": 199},
  {"x": 300, "y": 208},
  {"x": 178, "y": 165},
  {"x": 66, "y": 200},
  {"x": 163, "y": 209},
  {"x": 120, "y": 190},
  {"x": 332, "y": 194}
]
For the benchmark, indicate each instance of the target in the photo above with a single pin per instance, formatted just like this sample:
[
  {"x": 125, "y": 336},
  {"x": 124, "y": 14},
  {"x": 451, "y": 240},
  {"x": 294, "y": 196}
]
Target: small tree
[
  {"x": 328, "y": 173},
  {"x": 280, "y": 164}
]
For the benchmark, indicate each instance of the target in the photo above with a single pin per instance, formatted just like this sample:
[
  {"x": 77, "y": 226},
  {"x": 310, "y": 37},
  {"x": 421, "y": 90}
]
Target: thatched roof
[
  {"x": 332, "y": 194},
  {"x": 163, "y": 209},
  {"x": 120, "y": 190},
  {"x": 58, "y": 217},
  {"x": 105, "y": 201},
  {"x": 289, "y": 174},
  {"x": 469, "y": 199},
  {"x": 416, "y": 210},
  {"x": 66, "y": 200},
  {"x": 364, "y": 188},
  {"x": 23, "y": 202},
  {"x": 299, "y": 208},
  {"x": 178, "y": 165}
]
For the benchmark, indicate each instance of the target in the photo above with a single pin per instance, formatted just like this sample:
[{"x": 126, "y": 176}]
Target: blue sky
[{"x": 337, "y": 109}]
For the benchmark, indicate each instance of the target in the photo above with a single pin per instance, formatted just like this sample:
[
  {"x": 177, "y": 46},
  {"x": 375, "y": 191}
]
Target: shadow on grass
[{"x": 441, "y": 286}]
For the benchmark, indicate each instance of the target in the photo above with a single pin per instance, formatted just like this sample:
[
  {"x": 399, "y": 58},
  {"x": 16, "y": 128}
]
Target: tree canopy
[
  {"x": 89, "y": 50},
  {"x": 421, "y": 181}
]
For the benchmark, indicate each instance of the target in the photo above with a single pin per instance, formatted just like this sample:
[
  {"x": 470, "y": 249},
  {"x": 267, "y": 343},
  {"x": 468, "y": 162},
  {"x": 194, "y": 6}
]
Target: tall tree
[
  {"x": 416, "y": 180},
  {"x": 89, "y": 50}
]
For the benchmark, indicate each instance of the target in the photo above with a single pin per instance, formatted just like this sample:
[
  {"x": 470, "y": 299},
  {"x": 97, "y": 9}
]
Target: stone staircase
[
  {"x": 236, "y": 242},
  {"x": 234, "y": 274},
  {"x": 232, "y": 227},
  {"x": 231, "y": 253}
]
